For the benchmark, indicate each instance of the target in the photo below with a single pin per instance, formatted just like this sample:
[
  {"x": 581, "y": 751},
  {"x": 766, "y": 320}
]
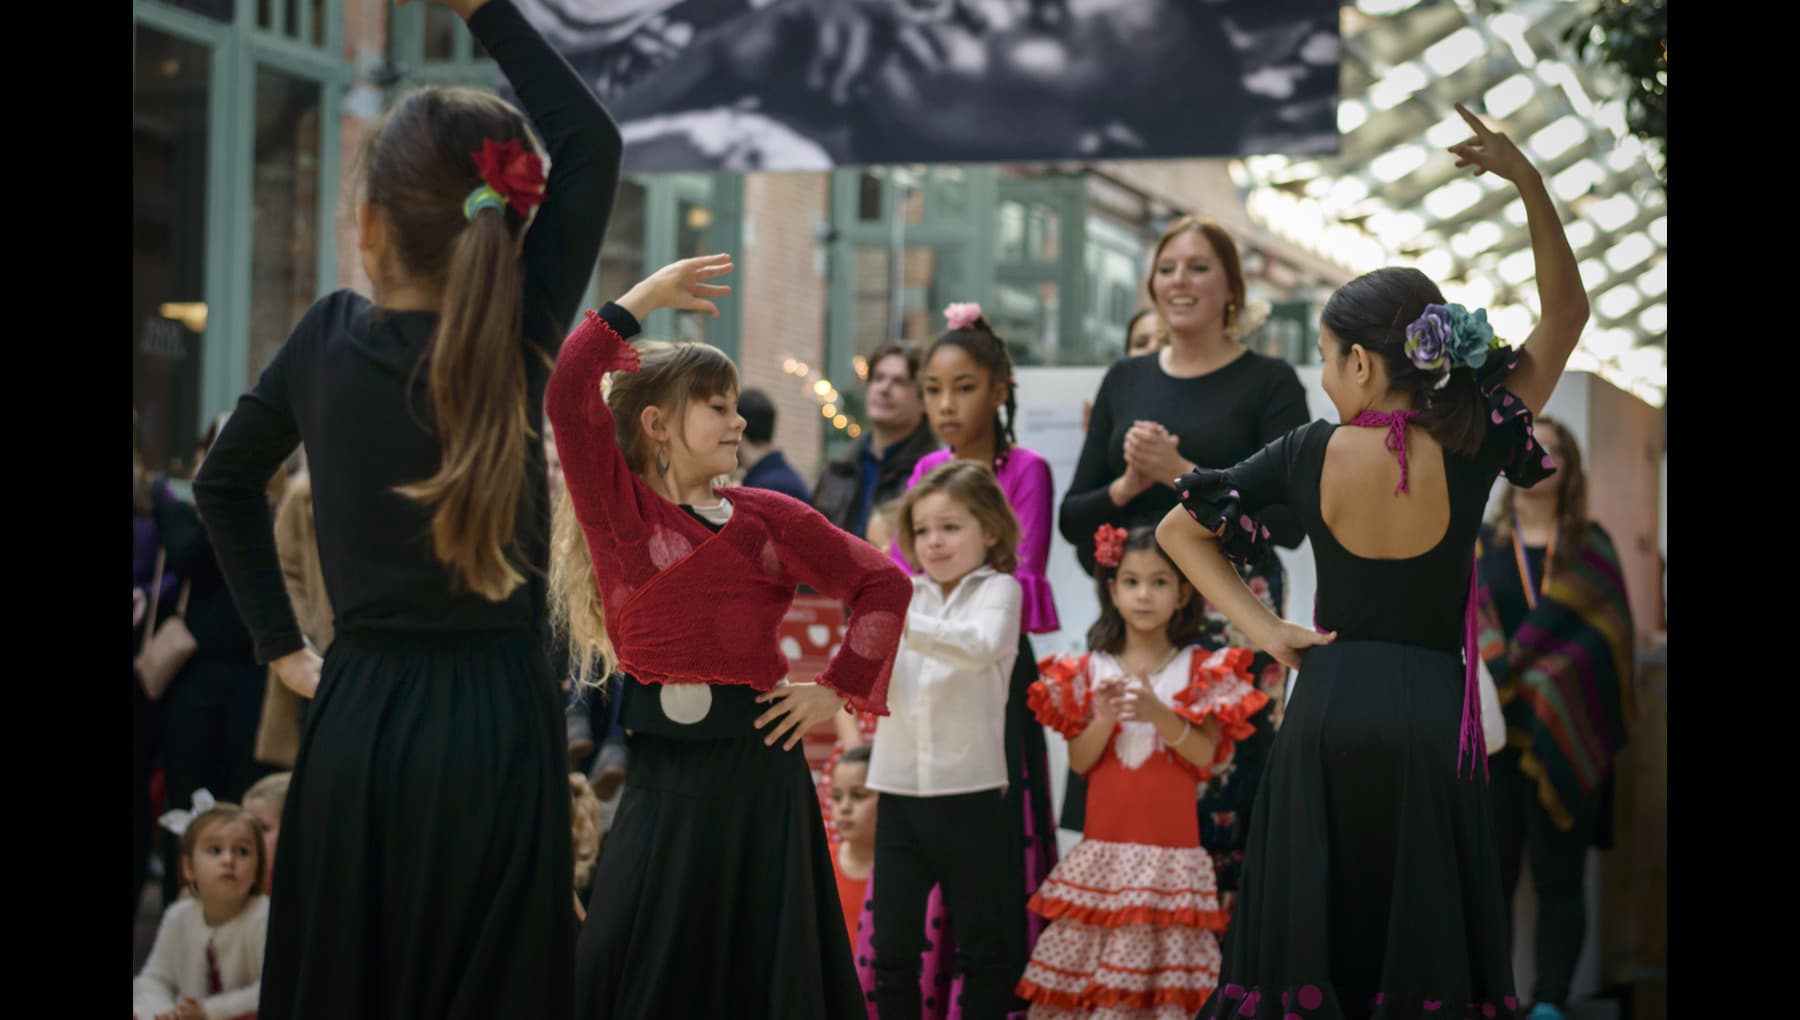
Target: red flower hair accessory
[
  {"x": 1109, "y": 545},
  {"x": 514, "y": 173}
]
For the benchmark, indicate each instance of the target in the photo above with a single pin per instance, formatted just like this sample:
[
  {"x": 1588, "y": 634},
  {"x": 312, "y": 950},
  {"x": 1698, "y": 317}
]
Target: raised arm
[
  {"x": 584, "y": 147},
  {"x": 599, "y": 478},
  {"x": 1561, "y": 296}
]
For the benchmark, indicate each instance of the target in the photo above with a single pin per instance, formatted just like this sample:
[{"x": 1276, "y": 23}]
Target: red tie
[{"x": 214, "y": 985}]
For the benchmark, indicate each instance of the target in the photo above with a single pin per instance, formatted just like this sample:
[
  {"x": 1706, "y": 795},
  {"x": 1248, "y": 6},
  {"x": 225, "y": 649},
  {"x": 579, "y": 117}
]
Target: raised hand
[
  {"x": 681, "y": 286},
  {"x": 1491, "y": 152}
]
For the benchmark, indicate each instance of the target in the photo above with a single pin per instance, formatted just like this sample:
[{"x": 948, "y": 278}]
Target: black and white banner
[{"x": 813, "y": 84}]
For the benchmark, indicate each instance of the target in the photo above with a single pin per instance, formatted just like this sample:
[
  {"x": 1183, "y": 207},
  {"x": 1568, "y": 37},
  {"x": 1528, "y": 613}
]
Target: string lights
[{"x": 831, "y": 406}]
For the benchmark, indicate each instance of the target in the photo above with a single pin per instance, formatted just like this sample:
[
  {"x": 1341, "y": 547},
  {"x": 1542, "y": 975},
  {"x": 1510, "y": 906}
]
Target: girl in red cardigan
[
  {"x": 713, "y": 894},
  {"x": 1134, "y": 908}
]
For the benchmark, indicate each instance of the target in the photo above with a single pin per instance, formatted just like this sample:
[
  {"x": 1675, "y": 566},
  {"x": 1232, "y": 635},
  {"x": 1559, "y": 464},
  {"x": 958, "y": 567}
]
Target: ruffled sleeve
[
  {"x": 1220, "y": 687},
  {"x": 1214, "y": 499},
  {"x": 1062, "y": 697},
  {"x": 1227, "y": 502},
  {"x": 1510, "y": 441}
]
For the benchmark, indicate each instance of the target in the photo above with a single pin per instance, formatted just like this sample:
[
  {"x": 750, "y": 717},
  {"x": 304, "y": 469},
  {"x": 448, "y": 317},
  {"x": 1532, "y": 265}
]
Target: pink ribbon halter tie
[{"x": 1395, "y": 422}]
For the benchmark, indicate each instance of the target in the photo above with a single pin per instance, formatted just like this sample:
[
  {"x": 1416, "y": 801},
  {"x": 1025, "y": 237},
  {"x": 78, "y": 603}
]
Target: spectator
[{"x": 876, "y": 469}]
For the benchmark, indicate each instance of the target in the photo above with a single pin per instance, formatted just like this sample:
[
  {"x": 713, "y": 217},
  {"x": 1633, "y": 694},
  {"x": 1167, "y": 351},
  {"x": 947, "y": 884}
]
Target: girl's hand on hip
[
  {"x": 798, "y": 708},
  {"x": 1289, "y": 642},
  {"x": 299, "y": 671}
]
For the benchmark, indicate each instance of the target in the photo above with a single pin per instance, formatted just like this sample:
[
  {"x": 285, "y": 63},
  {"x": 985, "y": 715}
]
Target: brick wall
[{"x": 780, "y": 282}]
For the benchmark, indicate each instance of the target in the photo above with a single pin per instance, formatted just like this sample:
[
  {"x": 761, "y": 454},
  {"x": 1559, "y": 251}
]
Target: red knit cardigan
[{"x": 684, "y": 604}]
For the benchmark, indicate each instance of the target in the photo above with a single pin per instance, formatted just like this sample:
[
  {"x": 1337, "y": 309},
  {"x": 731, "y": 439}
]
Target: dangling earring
[
  {"x": 1230, "y": 320},
  {"x": 662, "y": 462}
]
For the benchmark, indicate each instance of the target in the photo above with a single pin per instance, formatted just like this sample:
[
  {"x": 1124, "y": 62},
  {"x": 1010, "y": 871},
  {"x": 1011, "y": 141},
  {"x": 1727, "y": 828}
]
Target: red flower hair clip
[
  {"x": 1109, "y": 545},
  {"x": 514, "y": 173}
]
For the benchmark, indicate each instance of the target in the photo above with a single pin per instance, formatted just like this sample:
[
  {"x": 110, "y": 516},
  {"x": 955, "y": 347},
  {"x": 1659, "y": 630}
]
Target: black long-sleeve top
[
  {"x": 1219, "y": 418},
  {"x": 349, "y": 383}
]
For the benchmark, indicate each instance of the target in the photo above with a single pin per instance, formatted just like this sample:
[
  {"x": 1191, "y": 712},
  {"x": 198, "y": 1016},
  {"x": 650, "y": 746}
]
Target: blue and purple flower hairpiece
[{"x": 1450, "y": 336}]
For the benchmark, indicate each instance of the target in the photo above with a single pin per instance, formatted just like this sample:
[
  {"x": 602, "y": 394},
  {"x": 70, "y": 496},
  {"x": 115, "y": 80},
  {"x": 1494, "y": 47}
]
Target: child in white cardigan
[{"x": 207, "y": 961}]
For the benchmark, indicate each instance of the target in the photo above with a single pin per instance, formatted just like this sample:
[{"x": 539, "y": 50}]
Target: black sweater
[
  {"x": 1220, "y": 418},
  {"x": 348, "y": 383}
]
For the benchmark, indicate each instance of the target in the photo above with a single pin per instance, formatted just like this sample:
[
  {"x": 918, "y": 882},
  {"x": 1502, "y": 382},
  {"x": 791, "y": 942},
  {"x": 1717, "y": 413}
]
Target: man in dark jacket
[
  {"x": 877, "y": 467},
  {"x": 765, "y": 466}
]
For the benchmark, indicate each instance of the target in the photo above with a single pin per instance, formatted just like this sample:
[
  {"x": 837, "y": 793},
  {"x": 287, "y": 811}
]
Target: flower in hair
[
  {"x": 1109, "y": 545},
  {"x": 514, "y": 172},
  {"x": 1428, "y": 341},
  {"x": 961, "y": 315},
  {"x": 1470, "y": 336}
]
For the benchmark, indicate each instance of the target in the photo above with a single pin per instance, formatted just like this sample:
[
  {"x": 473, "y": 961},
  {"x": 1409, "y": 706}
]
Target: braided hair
[{"x": 984, "y": 346}]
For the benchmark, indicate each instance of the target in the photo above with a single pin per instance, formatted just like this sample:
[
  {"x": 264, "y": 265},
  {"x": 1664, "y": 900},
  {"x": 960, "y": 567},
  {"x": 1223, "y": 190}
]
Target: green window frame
[{"x": 301, "y": 39}]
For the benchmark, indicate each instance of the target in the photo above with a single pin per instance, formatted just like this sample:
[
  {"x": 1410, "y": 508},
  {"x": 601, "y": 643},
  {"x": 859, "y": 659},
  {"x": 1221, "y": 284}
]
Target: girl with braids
[
  {"x": 426, "y": 867},
  {"x": 1371, "y": 885},
  {"x": 971, "y": 401}
]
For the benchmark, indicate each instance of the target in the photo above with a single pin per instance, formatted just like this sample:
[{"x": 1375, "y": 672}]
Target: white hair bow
[{"x": 176, "y": 821}]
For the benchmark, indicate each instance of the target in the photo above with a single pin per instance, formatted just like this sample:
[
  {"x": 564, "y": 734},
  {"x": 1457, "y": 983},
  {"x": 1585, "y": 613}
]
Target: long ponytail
[
  {"x": 418, "y": 171},
  {"x": 477, "y": 388}
]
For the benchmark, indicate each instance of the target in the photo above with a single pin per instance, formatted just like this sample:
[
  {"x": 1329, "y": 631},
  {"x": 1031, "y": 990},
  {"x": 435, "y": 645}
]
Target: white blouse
[
  {"x": 177, "y": 964},
  {"x": 946, "y": 734}
]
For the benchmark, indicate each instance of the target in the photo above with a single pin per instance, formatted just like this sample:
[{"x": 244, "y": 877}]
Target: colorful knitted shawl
[{"x": 1565, "y": 679}]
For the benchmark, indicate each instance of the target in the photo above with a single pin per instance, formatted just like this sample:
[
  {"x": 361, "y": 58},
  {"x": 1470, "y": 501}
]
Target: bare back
[{"x": 1360, "y": 501}]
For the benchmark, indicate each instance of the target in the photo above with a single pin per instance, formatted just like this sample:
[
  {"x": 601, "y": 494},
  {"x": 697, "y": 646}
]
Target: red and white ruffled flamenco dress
[{"x": 1134, "y": 908}]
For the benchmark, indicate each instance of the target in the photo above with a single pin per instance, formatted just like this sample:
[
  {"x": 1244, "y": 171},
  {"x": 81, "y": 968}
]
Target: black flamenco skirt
[
  {"x": 1371, "y": 884},
  {"x": 714, "y": 894},
  {"x": 425, "y": 867}
]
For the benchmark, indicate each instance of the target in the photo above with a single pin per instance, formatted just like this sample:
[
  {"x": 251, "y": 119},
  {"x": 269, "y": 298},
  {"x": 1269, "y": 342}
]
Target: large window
[
  {"x": 235, "y": 106},
  {"x": 170, "y": 127}
]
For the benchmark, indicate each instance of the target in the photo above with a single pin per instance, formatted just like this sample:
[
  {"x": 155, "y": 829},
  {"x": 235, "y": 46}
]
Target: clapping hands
[{"x": 1154, "y": 453}]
